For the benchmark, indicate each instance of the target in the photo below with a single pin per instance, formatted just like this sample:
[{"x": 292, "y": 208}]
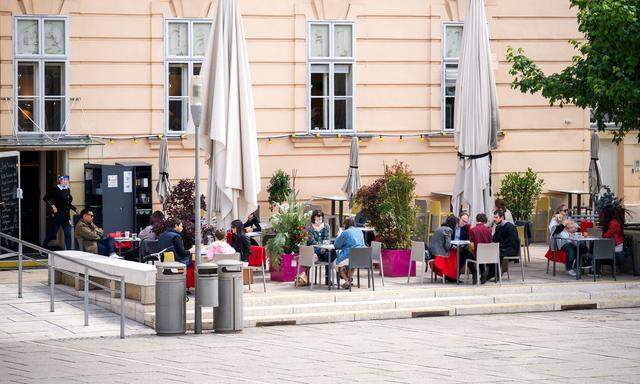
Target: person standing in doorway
[{"x": 59, "y": 202}]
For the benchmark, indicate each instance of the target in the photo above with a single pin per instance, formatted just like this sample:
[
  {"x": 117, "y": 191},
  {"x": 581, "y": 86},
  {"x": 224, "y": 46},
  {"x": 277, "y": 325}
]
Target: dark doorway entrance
[{"x": 38, "y": 172}]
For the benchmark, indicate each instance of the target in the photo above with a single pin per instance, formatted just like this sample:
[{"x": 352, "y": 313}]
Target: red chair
[
  {"x": 258, "y": 262},
  {"x": 191, "y": 275},
  {"x": 445, "y": 266},
  {"x": 557, "y": 255}
]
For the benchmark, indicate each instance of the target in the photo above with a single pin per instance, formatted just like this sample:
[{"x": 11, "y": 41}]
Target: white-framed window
[
  {"x": 451, "y": 44},
  {"x": 185, "y": 44},
  {"x": 41, "y": 82},
  {"x": 331, "y": 77}
]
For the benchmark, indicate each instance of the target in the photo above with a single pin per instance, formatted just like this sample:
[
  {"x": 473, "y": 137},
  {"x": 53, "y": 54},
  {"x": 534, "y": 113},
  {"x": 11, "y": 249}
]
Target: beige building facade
[{"x": 80, "y": 78}]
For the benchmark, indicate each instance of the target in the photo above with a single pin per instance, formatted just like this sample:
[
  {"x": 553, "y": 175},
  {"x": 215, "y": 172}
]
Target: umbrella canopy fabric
[
  {"x": 595, "y": 170},
  {"x": 228, "y": 129},
  {"x": 476, "y": 122},
  {"x": 353, "y": 182},
  {"x": 163, "y": 187}
]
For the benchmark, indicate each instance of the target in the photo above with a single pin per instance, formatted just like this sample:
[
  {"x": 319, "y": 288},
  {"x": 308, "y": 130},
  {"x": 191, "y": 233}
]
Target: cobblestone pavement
[{"x": 598, "y": 346}]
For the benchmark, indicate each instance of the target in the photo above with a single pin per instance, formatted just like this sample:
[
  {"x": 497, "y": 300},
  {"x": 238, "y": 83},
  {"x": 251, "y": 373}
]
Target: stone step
[
  {"x": 431, "y": 311},
  {"x": 407, "y": 307}
]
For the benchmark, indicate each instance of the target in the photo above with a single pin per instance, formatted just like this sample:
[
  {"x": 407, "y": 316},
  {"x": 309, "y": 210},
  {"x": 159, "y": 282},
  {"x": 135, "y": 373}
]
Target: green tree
[
  {"x": 604, "y": 74},
  {"x": 520, "y": 192}
]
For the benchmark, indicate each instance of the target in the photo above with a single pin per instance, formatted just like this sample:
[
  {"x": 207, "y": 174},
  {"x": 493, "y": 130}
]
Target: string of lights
[{"x": 270, "y": 138}]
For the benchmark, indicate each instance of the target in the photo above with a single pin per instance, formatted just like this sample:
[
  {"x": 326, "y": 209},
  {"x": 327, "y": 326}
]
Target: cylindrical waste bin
[
  {"x": 171, "y": 308},
  {"x": 227, "y": 316},
  {"x": 207, "y": 291}
]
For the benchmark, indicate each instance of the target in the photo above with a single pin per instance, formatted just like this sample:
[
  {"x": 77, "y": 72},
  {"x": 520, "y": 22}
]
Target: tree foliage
[
  {"x": 388, "y": 204},
  {"x": 604, "y": 75},
  {"x": 279, "y": 187},
  {"x": 180, "y": 204},
  {"x": 520, "y": 191}
]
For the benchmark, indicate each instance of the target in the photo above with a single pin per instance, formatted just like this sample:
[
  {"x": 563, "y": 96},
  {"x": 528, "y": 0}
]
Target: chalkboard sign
[{"x": 9, "y": 197}]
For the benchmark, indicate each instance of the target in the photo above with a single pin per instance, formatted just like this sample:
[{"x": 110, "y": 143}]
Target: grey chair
[
  {"x": 360, "y": 258},
  {"x": 147, "y": 247},
  {"x": 604, "y": 249},
  {"x": 418, "y": 253},
  {"x": 486, "y": 254},
  {"x": 307, "y": 259},
  {"x": 376, "y": 257}
]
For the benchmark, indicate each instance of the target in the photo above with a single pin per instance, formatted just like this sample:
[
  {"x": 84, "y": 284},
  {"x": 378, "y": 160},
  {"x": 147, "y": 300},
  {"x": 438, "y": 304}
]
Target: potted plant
[
  {"x": 520, "y": 191},
  {"x": 279, "y": 188},
  {"x": 388, "y": 204},
  {"x": 288, "y": 224}
]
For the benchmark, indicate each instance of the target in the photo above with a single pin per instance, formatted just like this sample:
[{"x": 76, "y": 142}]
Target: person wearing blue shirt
[{"x": 351, "y": 237}]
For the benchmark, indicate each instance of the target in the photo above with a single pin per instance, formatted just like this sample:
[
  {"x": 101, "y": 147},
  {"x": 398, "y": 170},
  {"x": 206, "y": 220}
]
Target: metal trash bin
[
  {"x": 207, "y": 292},
  {"x": 227, "y": 316},
  {"x": 171, "y": 308}
]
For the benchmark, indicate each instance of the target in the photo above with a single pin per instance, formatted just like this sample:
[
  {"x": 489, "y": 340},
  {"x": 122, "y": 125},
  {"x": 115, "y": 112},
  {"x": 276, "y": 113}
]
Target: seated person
[
  {"x": 240, "y": 241},
  {"x": 319, "y": 232},
  {"x": 252, "y": 225},
  {"x": 440, "y": 245},
  {"x": 220, "y": 245},
  {"x": 501, "y": 204},
  {"x": 148, "y": 233},
  {"x": 171, "y": 240},
  {"x": 480, "y": 234},
  {"x": 92, "y": 237},
  {"x": 506, "y": 235},
  {"x": 440, "y": 241},
  {"x": 569, "y": 247},
  {"x": 461, "y": 232},
  {"x": 612, "y": 224},
  {"x": 560, "y": 215},
  {"x": 351, "y": 237}
]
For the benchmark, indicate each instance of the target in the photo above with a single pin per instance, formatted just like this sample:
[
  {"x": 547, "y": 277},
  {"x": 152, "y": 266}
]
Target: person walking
[{"x": 59, "y": 202}]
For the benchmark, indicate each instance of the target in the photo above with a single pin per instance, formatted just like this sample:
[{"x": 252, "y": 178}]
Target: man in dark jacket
[
  {"x": 171, "y": 240},
  {"x": 59, "y": 201},
  {"x": 506, "y": 235}
]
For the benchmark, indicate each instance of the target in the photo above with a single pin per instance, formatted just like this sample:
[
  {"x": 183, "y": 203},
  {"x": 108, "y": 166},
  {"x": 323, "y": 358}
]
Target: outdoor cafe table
[
  {"x": 459, "y": 244},
  {"x": 570, "y": 193},
  {"x": 119, "y": 240},
  {"x": 340, "y": 199},
  {"x": 577, "y": 241}
]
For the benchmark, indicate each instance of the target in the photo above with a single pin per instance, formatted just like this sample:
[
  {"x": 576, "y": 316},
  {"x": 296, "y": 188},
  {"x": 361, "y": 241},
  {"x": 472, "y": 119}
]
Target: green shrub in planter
[{"x": 520, "y": 191}]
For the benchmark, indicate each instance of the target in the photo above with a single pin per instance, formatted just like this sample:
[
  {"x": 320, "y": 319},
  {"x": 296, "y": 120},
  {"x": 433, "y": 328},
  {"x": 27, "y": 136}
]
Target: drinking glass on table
[
  {"x": 326, "y": 242},
  {"x": 134, "y": 235},
  {"x": 126, "y": 234}
]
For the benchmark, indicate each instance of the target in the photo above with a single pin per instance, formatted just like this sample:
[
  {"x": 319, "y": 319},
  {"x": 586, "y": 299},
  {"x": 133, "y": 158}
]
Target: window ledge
[{"x": 326, "y": 141}]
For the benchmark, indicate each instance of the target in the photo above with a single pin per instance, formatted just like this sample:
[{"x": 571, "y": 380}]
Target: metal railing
[{"x": 51, "y": 265}]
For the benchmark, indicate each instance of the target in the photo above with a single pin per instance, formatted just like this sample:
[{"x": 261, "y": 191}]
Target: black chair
[
  {"x": 148, "y": 250},
  {"x": 604, "y": 250}
]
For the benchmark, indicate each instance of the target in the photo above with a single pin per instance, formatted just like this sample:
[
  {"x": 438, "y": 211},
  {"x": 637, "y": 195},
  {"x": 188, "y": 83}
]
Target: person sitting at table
[
  {"x": 92, "y": 237},
  {"x": 252, "y": 225},
  {"x": 220, "y": 245},
  {"x": 240, "y": 241},
  {"x": 480, "y": 234},
  {"x": 506, "y": 235},
  {"x": 171, "y": 240},
  {"x": 149, "y": 232},
  {"x": 559, "y": 216},
  {"x": 501, "y": 204},
  {"x": 351, "y": 237},
  {"x": 565, "y": 243},
  {"x": 612, "y": 224},
  {"x": 462, "y": 233},
  {"x": 318, "y": 232},
  {"x": 440, "y": 241}
]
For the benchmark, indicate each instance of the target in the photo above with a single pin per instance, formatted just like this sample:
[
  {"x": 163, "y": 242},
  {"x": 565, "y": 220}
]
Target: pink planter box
[
  {"x": 396, "y": 262},
  {"x": 286, "y": 272}
]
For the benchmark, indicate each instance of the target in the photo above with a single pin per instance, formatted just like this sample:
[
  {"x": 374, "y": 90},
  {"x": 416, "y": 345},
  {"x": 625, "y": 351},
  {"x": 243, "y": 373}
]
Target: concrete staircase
[{"x": 320, "y": 306}]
